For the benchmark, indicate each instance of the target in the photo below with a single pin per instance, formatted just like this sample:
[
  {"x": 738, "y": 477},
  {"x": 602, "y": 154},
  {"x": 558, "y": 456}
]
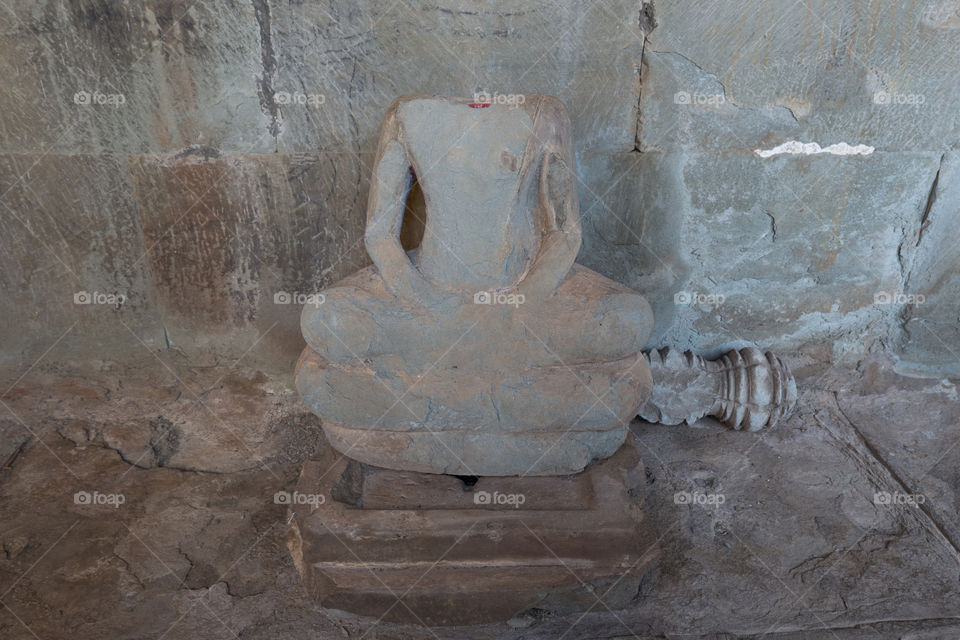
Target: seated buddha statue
[{"x": 486, "y": 350}]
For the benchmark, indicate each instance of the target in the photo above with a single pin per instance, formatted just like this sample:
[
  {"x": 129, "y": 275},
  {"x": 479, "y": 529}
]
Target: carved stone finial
[{"x": 745, "y": 389}]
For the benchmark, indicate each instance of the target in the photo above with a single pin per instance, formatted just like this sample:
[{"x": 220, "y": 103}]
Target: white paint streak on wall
[{"x": 809, "y": 148}]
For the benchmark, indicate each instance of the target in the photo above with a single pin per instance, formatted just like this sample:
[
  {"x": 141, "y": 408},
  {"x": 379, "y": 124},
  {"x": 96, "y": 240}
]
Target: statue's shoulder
[{"x": 410, "y": 97}]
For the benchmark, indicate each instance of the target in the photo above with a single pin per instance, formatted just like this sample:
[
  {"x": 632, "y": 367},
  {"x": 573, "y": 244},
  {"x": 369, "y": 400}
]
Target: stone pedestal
[{"x": 447, "y": 550}]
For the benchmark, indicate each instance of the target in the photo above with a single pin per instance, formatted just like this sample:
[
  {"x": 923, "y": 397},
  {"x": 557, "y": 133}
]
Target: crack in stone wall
[{"x": 268, "y": 60}]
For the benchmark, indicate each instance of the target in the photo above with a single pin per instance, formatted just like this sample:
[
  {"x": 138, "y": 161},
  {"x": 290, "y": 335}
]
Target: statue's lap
[
  {"x": 389, "y": 378},
  {"x": 588, "y": 319}
]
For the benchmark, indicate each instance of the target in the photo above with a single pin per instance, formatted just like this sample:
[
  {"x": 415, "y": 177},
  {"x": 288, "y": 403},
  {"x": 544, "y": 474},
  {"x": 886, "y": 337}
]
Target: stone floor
[{"x": 784, "y": 536}]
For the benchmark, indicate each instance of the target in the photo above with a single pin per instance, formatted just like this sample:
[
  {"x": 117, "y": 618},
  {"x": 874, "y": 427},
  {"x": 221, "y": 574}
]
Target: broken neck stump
[{"x": 466, "y": 384}]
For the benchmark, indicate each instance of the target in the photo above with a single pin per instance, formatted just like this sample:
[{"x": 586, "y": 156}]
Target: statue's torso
[{"x": 481, "y": 230}]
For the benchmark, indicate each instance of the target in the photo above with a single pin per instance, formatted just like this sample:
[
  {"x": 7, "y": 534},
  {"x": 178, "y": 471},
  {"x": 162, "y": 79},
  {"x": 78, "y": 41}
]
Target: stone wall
[{"x": 204, "y": 158}]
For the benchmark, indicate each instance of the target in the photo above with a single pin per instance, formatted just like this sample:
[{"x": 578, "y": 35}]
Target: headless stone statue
[{"x": 486, "y": 350}]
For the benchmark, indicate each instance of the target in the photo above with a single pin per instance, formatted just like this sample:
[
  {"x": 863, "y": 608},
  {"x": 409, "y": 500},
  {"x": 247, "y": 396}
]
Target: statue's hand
[{"x": 551, "y": 266}]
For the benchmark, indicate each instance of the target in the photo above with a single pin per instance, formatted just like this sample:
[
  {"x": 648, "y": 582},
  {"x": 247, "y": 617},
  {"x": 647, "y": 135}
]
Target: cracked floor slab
[{"x": 798, "y": 547}]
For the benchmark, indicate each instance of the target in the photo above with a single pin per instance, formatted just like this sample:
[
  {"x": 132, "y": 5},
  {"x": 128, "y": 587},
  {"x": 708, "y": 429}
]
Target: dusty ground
[{"x": 799, "y": 548}]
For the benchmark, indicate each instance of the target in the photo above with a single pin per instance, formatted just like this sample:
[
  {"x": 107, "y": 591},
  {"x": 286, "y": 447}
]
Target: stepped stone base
[{"x": 445, "y": 550}]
